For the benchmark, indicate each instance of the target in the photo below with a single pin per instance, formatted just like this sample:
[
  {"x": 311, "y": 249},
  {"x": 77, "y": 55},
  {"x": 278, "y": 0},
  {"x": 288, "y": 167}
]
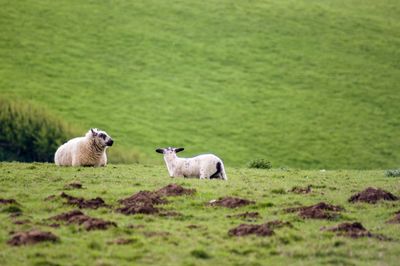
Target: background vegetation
[{"x": 310, "y": 84}]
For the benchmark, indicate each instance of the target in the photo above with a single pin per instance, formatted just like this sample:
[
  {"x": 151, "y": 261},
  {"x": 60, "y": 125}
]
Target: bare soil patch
[
  {"x": 320, "y": 210},
  {"x": 31, "y": 237},
  {"x": 266, "y": 229},
  {"x": 230, "y": 202},
  {"x": 352, "y": 230},
  {"x": 144, "y": 202},
  {"x": 87, "y": 222},
  {"x": 82, "y": 203},
  {"x": 372, "y": 195}
]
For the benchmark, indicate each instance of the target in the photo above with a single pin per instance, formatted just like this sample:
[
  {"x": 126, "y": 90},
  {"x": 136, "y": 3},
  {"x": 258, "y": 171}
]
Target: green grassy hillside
[
  {"x": 199, "y": 236},
  {"x": 311, "y": 84}
]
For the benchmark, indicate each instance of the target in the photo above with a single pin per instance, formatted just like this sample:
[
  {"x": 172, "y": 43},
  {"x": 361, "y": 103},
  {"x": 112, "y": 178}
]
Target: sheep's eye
[{"x": 101, "y": 135}]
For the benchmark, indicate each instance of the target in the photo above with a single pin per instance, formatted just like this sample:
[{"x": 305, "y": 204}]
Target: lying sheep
[
  {"x": 202, "y": 166},
  {"x": 89, "y": 150}
]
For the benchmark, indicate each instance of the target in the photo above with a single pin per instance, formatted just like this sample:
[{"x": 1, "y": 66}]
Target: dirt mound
[
  {"x": 143, "y": 198},
  {"x": 174, "y": 190},
  {"x": 301, "y": 190},
  {"x": 31, "y": 237},
  {"x": 353, "y": 230},
  {"x": 8, "y": 201},
  {"x": 143, "y": 202},
  {"x": 245, "y": 215},
  {"x": 88, "y": 223},
  {"x": 248, "y": 229},
  {"x": 320, "y": 210},
  {"x": 138, "y": 209},
  {"x": 372, "y": 195},
  {"x": 82, "y": 203},
  {"x": 73, "y": 185},
  {"x": 230, "y": 202},
  {"x": 50, "y": 198},
  {"x": 395, "y": 220}
]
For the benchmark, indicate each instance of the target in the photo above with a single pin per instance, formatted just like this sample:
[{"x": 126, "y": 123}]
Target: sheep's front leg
[{"x": 203, "y": 174}]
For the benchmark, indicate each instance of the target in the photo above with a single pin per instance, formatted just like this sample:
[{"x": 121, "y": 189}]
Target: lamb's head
[
  {"x": 169, "y": 152},
  {"x": 100, "y": 137}
]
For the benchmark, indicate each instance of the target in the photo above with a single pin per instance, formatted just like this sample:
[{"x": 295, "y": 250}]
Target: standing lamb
[
  {"x": 89, "y": 150},
  {"x": 202, "y": 166}
]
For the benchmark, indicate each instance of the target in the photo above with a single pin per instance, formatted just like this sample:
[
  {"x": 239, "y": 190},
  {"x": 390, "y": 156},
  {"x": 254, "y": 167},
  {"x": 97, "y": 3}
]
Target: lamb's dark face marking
[{"x": 169, "y": 152}]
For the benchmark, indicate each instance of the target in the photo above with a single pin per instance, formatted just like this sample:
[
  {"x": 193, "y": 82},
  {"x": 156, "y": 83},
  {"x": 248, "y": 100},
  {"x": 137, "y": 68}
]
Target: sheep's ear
[
  {"x": 179, "y": 149},
  {"x": 160, "y": 150},
  {"x": 93, "y": 132}
]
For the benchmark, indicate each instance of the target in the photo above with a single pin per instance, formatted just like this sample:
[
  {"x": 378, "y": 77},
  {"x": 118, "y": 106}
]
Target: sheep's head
[
  {"x": 170, "y": 151},
  {"x": 100, "y": 137}
]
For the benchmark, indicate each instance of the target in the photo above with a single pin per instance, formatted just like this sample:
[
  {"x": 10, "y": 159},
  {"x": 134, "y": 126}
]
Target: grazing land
[
  {"x": 307, "y": 84},
  {"x": 195, "y": 227}
]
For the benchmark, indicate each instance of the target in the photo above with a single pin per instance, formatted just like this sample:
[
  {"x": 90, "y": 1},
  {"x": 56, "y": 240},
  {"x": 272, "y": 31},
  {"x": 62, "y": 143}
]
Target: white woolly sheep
[
  {"x": 89, "y": 150},
  {"x": 202, "y": 166}
]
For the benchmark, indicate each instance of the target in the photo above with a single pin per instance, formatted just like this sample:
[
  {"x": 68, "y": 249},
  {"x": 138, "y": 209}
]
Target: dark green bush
[
  {"x": 260, "y": 164},
  {"x": 29, "y": 133}
]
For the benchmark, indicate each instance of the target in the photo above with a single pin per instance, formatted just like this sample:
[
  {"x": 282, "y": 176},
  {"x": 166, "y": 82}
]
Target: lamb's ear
[
  {"x": 94, "y": 133},
  {"x": 160, "y": 151},
  {"x": 179, "y": 149}
]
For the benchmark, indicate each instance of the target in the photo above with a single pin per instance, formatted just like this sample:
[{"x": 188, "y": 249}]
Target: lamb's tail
[{"x": 220, "y": 173}]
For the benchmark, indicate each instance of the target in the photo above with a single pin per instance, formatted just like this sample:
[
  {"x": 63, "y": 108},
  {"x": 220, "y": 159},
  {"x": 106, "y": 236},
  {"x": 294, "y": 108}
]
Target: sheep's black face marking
[{"x": 101, "y": 137}]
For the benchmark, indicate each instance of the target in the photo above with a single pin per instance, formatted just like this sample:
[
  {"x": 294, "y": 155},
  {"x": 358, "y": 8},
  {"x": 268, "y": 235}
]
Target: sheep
[
  {"x": 89, "y": 150},
  {"x": 202, "y": 166}
]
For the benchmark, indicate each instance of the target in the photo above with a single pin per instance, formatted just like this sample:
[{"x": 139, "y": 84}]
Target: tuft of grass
[
  {"x": 392, "y": 173},
  {"x": 200, "y": 254},
  {"x": 259, "y": 164}
]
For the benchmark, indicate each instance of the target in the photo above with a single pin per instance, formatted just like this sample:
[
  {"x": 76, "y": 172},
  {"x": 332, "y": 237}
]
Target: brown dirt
[
  {"x": 230, "y": 202},
  {"x": 88, "y": 223},
  {"x": 193, "y": 226},
  {"x": 372, "y": 195},
  {"x": 19, "y": 222},
  {"x": 8, "y": 201},
  {"x": 301, "y": 190},
  {"x": 143, "y": 198},
  {"x": 248, "y": 229},
  {"x": 139, "y": 209},
  {"x": 31, "y": 237},
  {"x": 395, "y": 219},
  {"x": 320, "y": 210},
  {"x": 120, "y": 241},
  {"x": 82, "y": 203},
  {"x": 245, "y": 215},
  {"x": 353, "y": 230},
  {"x": 174, "y": 190},
  {"x": 73, "y": 185}
]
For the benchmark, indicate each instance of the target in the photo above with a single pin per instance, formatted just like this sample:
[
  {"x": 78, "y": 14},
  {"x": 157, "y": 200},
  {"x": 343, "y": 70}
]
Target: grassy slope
[
  {"x": 310, "y": 84},
  {"x": 303, "y": 244}
]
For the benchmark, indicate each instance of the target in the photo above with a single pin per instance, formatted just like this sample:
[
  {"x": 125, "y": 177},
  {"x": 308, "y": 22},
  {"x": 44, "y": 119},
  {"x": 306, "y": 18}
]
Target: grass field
[
  {"x": 170, "y": 240},
  {"x": 308, "y": 84}
]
